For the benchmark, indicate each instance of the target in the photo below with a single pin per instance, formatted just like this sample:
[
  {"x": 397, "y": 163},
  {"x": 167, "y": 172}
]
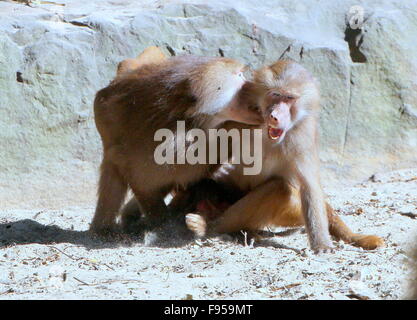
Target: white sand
[{"x": 49, "y": 255}]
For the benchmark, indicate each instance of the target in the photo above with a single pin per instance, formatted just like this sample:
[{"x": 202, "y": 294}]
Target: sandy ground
[{"x": 49, "y": 255}]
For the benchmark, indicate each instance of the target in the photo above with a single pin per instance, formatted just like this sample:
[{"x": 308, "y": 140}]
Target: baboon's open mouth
[{"x": 274, "y": 133}]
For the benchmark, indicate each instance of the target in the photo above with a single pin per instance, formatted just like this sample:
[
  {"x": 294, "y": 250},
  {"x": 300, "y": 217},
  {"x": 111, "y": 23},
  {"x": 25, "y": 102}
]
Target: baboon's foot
[
  {"x": 197, "y": 224},
  {"x": 367, "y": 242}
]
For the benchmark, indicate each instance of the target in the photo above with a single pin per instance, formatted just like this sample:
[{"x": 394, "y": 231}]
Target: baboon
[
  {"x": 288, "y": 191},
  {"x": 203, "y": 92}
]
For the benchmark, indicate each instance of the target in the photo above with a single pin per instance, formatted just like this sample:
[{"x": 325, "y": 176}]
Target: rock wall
[{"x": 53, "y": 58}]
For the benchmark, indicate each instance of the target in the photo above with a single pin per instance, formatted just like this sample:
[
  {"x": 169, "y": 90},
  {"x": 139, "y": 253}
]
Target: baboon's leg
[
  {"x": 269, "y": 204},
  {"x": 150, "y": 211},
  {"x": 341, "y": 231},
  {"x": 131, "y": 216},
  {"x": 289, "y": 214},
  {"x": 279, "y": 204},
  {"x": 111, "y": 194},
  {"x": 259, "y": 208}
]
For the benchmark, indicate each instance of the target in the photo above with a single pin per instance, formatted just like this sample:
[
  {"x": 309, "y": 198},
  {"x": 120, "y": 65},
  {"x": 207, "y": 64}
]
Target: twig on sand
[
  {"x": 84, "y": 283},
  {"x": 7, "y": 291},
  {"x": 123, "y": 281},
  {"x": 288, "y": 286},
  {"x": 252, "y": 240},
  {"x": 245, "y": 235},
  {"x": 108, "y": 266},
  {"x": 78, "y": 258},
  {"x": 69, "y": 256}
]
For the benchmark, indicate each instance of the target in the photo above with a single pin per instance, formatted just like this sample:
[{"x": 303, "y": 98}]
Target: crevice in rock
[
  {"x": 186, "y": 49},
  {"x": 351, "y": 83},
  {"x": 255, "y": 41},
  {"x": 250, "y": 37},
  {"x": 171, "y": 50},
  {"x": 354, "y": 38},
  {"x": 285, "y": 51},
  {"x": 79, "y": 24},
  {"x": 406, "y": 110},
  {"x": 19, "y": 77}
]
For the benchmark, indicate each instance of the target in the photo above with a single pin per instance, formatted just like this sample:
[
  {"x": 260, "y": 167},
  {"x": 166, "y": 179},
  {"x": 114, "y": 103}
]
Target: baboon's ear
[
  {"x": 126, "y": 66},
  {"x": 151, "y": 55}
]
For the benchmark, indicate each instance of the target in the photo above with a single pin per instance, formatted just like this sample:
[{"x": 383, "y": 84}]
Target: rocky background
[{"x": 55, "y": 55}]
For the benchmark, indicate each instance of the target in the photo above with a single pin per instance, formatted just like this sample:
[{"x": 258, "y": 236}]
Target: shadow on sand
[
  {"x": 172, "y": 233},
  {"x": 28, "y": 231}
]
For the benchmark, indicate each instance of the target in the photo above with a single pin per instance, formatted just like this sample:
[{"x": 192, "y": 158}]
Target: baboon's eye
[{"x": 276, "y": 94}]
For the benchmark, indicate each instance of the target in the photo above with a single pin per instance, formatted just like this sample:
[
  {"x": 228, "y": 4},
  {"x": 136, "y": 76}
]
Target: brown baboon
[
  {"x": 288, "y": 191},
  {"x": 202, "y": 92}
]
